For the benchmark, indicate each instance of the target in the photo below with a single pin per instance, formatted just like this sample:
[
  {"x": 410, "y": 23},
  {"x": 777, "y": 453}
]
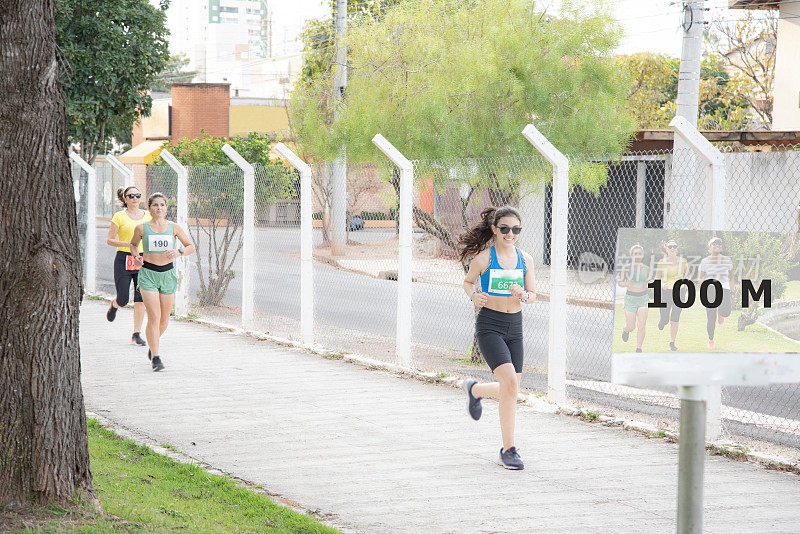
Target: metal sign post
[{"x": 694, "y": 374}]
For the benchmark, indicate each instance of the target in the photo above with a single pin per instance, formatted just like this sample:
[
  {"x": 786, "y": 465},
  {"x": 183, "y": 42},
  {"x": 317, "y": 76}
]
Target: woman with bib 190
[
  {"x": 507, "y": 280},
  {"x": 157, "y": 278},
  {"x": 126, "y": 271}
]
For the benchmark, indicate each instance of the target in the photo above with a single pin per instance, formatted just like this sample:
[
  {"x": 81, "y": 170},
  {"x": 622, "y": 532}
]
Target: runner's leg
[
  {"x": 153, "y": 306},
  {"x": 166, "y": 302},
  {"x": 641, "y": 321},
  {"x": 509, "y": 387}
]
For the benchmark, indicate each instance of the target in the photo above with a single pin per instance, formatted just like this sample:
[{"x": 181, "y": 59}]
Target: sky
[{"x": 649, "y": 25}]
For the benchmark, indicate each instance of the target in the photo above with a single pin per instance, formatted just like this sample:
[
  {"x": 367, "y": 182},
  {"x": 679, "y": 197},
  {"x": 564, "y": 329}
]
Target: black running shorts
[{"x": 500, "y": 337}]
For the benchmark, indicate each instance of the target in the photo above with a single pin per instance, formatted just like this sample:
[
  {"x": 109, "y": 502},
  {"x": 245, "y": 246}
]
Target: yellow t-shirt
[
  {"x": 672, "y": 272},
  {"x": 127, "y": 225}
]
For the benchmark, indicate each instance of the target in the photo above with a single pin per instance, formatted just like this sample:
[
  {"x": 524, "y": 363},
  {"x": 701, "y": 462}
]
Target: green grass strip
[{"x": 142, "y": 491}]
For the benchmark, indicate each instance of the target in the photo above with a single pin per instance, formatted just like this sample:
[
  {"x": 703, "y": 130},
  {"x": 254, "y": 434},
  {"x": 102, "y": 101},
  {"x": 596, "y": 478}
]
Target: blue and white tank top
[{"x": 498, "y": 281}]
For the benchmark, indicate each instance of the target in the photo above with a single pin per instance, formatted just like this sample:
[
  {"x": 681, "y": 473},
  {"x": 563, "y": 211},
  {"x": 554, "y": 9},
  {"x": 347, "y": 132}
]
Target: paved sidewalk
[{"x": 390, "y": 454}]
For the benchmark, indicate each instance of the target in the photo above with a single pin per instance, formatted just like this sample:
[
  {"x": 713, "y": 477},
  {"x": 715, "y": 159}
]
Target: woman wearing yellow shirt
[
  {"x": 126, "y": 270},
  {"x": 670, "y": 269}
]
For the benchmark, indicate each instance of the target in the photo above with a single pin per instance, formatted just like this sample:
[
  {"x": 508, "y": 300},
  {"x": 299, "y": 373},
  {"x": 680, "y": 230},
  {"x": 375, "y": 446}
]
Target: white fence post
[
  {"x": 126, "y": 172},
  {"x": 182, "y": 216},
  {"x": 248, "y": 235},
  {"x": 403, "y": 347},
  {"x": 306, "y": 264},
  {"x": 557, "y": 332},
  {"x": 715, "y": 159},
  {"x": 712, "y": 157},
  {"x": 91, "y": 222}
]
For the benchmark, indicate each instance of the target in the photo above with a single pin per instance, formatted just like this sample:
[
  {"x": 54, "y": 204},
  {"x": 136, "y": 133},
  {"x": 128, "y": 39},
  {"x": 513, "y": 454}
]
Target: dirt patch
[{"x": 55, "y": 518}]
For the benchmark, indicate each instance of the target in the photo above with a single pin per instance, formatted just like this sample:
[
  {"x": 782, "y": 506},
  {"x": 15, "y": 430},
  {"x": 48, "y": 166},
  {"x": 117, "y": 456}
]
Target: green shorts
[
  {"x": 162, "y": 282},
  {"x": 632, "y": 303}
]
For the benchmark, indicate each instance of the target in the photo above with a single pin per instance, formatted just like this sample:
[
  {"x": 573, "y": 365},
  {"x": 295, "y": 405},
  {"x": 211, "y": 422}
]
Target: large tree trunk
[{"x": 43, "y": 444}]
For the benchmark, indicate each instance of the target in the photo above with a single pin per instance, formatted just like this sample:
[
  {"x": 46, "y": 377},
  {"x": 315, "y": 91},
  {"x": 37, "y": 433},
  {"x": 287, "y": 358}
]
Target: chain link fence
[
  {"x": 672, "y": 190},
  {"x": 355, "y": 292},
  {"x": 356, "y": 289},
  {"x": 649, "y": 189},
  {"x": 450, "y": 196},
  {"x": 763, "y": 195}
]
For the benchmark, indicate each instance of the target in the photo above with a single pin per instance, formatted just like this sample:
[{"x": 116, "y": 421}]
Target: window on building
[{"x": 227, "y": 9}]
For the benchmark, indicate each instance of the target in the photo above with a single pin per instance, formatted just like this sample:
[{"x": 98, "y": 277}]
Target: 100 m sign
[{"x": 708, "y": 298}]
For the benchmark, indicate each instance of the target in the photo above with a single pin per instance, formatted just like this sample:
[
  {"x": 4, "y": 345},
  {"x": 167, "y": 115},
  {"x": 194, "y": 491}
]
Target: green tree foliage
[
  {"x": 216, "y": 200},
  {"x": 318, "y": 36},
  {"x": 443, "y": 79},
  {"x": 655, "y": 86},
  {"x": 111, "y": 51},
  {"x": 724, "y": 103},
  {"x": 207, "y": 150},
  {"x": 174, "y": 72},
  {"x": 748, "y": 47}
]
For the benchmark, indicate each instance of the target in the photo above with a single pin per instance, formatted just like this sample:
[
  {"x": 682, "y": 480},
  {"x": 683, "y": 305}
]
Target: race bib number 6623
[{"x": 501, "y": 280}]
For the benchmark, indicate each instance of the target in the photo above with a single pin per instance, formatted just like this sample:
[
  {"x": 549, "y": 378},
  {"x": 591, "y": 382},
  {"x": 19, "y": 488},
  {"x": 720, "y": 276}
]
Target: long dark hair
[{"x": 474, "y": 240}]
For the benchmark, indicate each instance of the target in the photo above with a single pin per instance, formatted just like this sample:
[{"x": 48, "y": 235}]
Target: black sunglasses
[
  {"x": 504, "y": 229},
  {"x": 672, "y": 246},
  {"x": 134, "y": 195}
]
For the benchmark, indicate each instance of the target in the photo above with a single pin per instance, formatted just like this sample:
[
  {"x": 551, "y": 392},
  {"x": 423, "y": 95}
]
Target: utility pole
[
  {"x": 700, "y": 411},
  {"x": 682, "y": 212},
  {"x": 691, "y": 56},
  {"x": 338, "y": 219}
]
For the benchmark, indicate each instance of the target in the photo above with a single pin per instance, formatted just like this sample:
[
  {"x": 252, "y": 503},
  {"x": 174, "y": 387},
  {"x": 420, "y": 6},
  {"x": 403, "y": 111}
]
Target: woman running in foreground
[
  {"x": 157, "y": 278},
  {"x": 507, "y": 280}
]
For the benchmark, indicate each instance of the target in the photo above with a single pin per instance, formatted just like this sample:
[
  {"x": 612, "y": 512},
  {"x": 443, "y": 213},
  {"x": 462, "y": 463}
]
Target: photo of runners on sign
[{"x": 706, "y": 291}]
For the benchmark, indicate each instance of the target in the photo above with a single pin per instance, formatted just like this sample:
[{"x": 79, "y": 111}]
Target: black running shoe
[
  {"x": 136, "y": 338},
  {"x": 638, "y": 349},
  {"x": 157, "y": 365},
  {"x": 111, "y": 314},
  {"x": 474, "y": 406},
  {"x": 625, "y": 335},
  {"x": 510, "y": 459},
  {"x": 672, "y": 346}
]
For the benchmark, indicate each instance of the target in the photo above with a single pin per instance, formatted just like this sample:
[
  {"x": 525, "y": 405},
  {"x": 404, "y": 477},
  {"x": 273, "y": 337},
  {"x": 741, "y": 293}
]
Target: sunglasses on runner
[
  {"x": 134, "y": 195},
  {"x": 504, "y": 229},
  {"x": 672, "y": 246}
]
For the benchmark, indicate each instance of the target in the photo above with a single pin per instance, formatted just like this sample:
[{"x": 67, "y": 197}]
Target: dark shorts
[
  {"x": 500, "y": 337},
  {"x": 123, "y": 279}
]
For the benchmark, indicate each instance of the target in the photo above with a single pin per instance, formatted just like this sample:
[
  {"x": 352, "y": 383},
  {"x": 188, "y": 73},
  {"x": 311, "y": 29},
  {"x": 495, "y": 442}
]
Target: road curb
[{"x": 391, "y": 274}]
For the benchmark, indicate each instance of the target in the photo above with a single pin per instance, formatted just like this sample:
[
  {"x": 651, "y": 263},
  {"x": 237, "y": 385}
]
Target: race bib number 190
[{"x": 158, "y": 243}]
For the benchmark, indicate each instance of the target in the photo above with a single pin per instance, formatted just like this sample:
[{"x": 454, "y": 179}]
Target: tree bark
[{"x": 43, "y": 444}]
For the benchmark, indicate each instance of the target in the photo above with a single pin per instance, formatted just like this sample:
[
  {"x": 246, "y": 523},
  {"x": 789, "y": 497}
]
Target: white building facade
[
  {"x": 231, "y": 41},
  {"x": 786, "y": 91}
]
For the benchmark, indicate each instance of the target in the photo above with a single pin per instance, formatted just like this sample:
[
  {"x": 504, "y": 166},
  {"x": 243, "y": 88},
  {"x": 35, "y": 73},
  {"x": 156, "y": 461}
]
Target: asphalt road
[{"x": 442, "y": 315}]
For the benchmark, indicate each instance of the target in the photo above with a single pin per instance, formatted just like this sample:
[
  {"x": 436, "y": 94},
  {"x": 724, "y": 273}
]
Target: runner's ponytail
[
  {"x": 121, "y": 192},
  {"x": 475, "y": 239}
]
